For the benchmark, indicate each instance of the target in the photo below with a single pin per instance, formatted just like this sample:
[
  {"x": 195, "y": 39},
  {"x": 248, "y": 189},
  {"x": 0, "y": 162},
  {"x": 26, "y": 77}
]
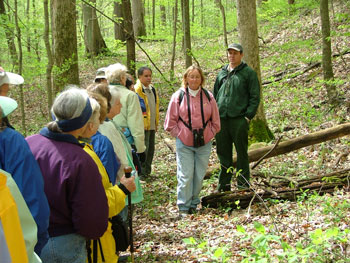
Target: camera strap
[{"x": 189, "y": 125}]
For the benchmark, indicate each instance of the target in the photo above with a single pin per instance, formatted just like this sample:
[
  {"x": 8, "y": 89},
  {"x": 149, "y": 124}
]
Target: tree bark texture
[
  {"x": 327, "y": 50},
  {"x": 129, "y": 36},
  {"x": 138, "y": 18},
  {"x": 94, "y": 42},
  {"x": 65, "y": 43},
  {"x": 248, "y": 35},
  {"x": 119, "y": 26},
  {"x": 187, "y": 32}
]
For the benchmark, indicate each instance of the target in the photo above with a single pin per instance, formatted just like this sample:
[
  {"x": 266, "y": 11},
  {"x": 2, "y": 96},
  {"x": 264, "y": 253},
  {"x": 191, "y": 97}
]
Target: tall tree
[
  {"x": 327, "y": 51},
  {"x": 10, "y": 36},
  {"x": 153, "y": 16},
  {"x": 118, "y": 16},
  {"x": 162, "y": 15},
  {"x": 94, "y": 42},
  {"x": 20, "y": 67},
  {"x": 248, "y": 34},
  {"x": 49, "y": 56},
  {"x": 129, "y": 36},
  {"x": 64, "y": 35},
  {"x": 138, "y": 18},
  {"x": 222, "y": 9},
  {"x": 175, "y": 11},
  {"x": 187, "y": 32}
]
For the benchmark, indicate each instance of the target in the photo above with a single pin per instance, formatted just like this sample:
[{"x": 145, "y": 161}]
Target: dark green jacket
[{"x": 237, "y": 93}]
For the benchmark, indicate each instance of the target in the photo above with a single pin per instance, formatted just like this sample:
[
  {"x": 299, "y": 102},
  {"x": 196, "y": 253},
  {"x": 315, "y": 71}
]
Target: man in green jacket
[{"x": 237, "y": 93}]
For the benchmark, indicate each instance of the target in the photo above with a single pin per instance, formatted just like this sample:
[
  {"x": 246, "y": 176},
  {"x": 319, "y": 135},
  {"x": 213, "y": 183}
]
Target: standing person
[
  {"x": 17, "y": 159},
  {"x": 101, "y": 76},
  {"x": 115, "y": 194},
  {"x": 73, "y": 185},
  {"x": 193, "y": 118},
  {"x": 237, "y": 93},
  {"x": 7, "y": 78},
  {"x": 148, "y": 93},
  {"x": 130, "y": 115}
]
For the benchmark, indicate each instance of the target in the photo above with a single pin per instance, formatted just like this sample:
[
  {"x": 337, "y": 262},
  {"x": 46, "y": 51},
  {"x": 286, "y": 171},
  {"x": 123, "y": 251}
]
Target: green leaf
[
  {"x": 189, "y": 241},
  {"x": 218, "y": 253},
  {"x": 259, "y": 227},
  {"x": 240, "y": 229}
]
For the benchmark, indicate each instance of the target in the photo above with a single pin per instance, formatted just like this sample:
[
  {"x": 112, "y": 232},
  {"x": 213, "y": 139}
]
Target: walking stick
[{"x": 127, "y": 171}]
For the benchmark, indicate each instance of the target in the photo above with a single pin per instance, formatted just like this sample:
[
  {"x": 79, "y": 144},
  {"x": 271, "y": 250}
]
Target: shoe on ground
[{"x": 183, "y": 214}]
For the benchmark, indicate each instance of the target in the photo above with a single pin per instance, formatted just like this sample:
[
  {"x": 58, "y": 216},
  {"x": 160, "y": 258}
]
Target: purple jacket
[
  {"x": 178, "y": 129},
  {"x": 73, "y": 185}
]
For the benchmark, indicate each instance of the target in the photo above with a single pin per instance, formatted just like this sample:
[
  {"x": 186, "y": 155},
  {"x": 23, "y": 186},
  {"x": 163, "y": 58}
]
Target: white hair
[{"x": 115, "y": 73}]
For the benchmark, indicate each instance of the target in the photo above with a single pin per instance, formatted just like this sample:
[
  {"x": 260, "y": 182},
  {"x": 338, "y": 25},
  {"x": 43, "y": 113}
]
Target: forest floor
[{"x": 312, "y": 228}]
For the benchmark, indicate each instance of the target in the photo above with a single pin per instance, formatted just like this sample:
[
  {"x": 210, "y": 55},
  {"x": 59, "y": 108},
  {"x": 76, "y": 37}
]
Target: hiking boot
[{"x": 192, "y": 210}]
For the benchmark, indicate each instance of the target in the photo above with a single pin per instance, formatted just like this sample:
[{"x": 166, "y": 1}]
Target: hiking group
[{"x": 61, "y": 189}]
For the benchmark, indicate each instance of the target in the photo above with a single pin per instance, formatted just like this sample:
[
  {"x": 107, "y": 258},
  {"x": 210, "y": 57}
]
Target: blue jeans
[
  {"x": 192, "y": 164},
  {"x": 63, "y": 249}
]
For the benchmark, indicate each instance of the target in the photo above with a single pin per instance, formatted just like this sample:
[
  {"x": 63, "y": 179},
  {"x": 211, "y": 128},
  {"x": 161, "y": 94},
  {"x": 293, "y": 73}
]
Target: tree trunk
[
  {"x": 94, "y": 43},
  {"x": 291, "y": 2},
  {"x": 49, "y": 57},
  {"x": 163, "y": 15},
  {"x": 327, "y": 51},
  {"x": 20, "y": 68},
  {"x": 118, "y": 27},
  {"x": 187, "y": 32},
  {"x": 248, "y": 34},
  {"x": 65, "y": 43},
  {"x": 172, "y": 67},
  {"x": 9, "y": 35},
  {"x": 192, "y": 17},
  {"x": 28, "y": 29},
  {"x": 222, "y": 9},
  {"x": 138, "y": 15},
  {"x": 129, "y": 36},
  {"x": 153, "y": 16}
]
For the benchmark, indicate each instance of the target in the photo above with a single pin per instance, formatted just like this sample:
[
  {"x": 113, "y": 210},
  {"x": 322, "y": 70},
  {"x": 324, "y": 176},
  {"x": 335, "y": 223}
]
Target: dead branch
[
  {"x": 322, "y": 184},
  {"x": 279, "y": 76},
  {"x": 267, "y": 154},
  {"x": 292, "y": 144}
]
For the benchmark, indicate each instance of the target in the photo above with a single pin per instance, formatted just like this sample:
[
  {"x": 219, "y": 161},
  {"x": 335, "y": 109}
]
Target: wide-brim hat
[
  {"x": 10, "y": 78},
  {"x": 7, "y": 105}
]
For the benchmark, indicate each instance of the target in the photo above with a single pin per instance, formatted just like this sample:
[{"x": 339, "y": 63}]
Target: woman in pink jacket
[{"x": 193, "y": 118}]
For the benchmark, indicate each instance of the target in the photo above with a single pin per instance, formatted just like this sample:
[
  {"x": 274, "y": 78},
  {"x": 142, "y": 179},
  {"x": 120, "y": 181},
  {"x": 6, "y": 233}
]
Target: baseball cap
[
  {"x": 100, "y": 73},
  {"x": 236, "y": 47},
  {"x": 10, "y": 78},
  {"x": 7, "y": 105}
]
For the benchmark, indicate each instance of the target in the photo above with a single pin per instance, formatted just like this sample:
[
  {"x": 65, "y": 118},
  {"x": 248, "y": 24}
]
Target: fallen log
[
  {"x": 283, "y": 191},
  {"x": 292, "y": 144}
]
